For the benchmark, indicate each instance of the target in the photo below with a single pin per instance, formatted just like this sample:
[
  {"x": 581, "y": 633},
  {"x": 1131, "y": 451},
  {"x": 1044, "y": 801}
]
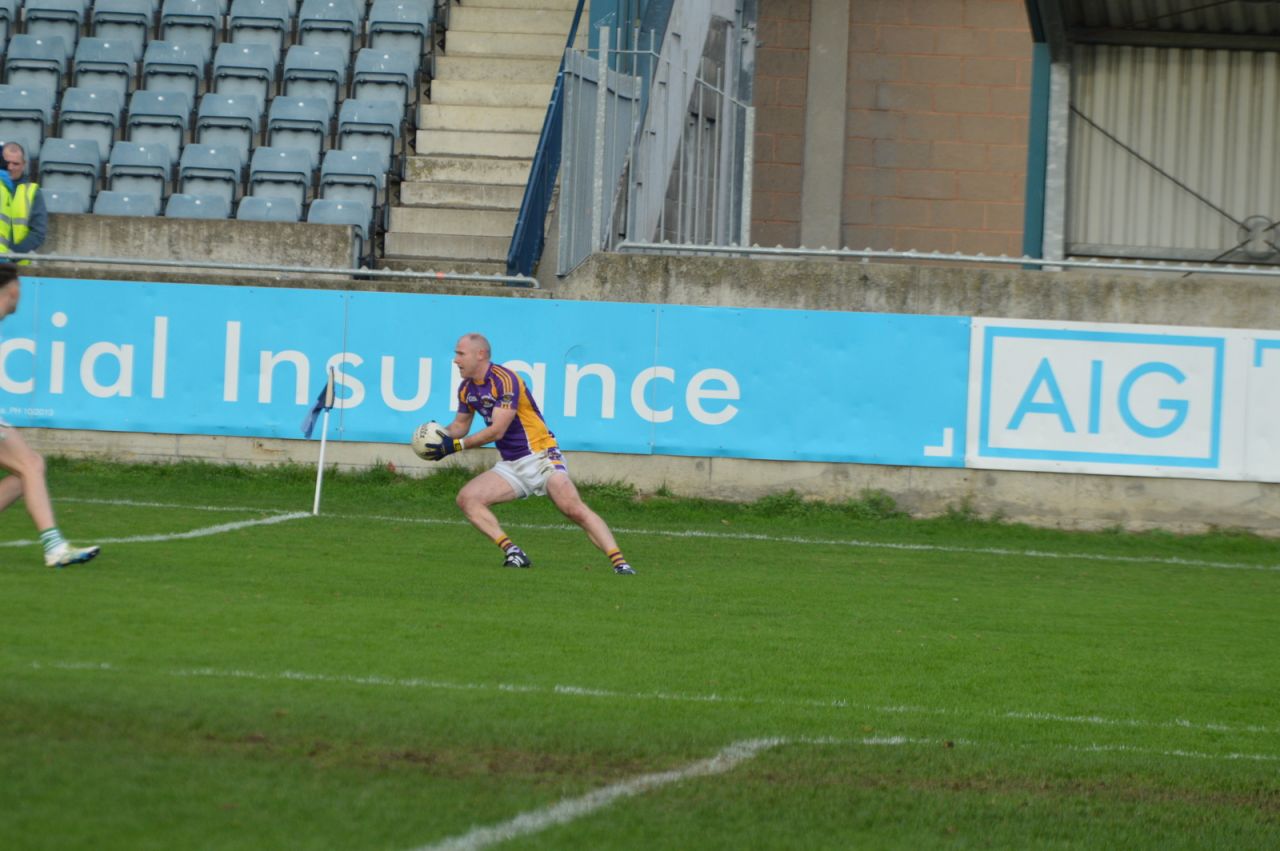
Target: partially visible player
[
  {"x": 531, "y": 461},
  {"x": 26, "y": 466}
]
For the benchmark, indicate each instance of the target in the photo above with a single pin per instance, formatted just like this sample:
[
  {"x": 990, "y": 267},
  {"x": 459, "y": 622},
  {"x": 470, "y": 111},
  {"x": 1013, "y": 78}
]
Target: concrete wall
[{"x": 1071, "y": 501}]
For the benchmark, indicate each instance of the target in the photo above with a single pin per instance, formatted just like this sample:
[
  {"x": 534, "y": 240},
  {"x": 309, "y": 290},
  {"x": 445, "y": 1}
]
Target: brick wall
[{"x": 938, "y": 97}]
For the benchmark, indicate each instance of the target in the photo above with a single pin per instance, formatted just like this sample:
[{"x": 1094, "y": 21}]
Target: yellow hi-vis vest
[{"x": 15, "y": 213}]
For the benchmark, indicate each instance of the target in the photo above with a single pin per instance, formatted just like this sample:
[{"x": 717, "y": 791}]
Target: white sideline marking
[
  {"x": 747, "y": 536},
  {"x": 133, "y": 503},
  {"x": 671, "y": 697},
  {"x": 183, "y": 536}
]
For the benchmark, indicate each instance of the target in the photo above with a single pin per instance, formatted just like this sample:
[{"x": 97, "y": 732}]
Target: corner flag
[{"x": 324, "y": 402}]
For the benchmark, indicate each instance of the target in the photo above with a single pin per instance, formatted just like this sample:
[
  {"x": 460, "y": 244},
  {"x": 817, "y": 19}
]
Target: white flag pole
[{"x": 324, "y": 434}]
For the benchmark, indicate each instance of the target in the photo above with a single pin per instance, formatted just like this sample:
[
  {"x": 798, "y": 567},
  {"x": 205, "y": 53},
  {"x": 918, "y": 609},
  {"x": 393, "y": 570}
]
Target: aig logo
[{"x": 1099, "y": 397}]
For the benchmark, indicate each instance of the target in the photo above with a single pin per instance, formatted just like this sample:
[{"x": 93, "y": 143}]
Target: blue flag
[{"x": 324, "y": 402}]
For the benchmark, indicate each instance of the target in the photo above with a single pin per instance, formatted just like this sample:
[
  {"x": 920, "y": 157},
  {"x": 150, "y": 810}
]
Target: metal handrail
[{"x": 528, "y": 238}]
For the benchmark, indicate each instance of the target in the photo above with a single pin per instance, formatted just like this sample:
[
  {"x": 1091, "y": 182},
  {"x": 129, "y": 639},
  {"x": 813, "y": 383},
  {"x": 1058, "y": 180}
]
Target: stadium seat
[
  {"x": 300, "y": 123},
  {"x": 315, "y": 72},
  {"x": 370, "y": 125},
  {"x": 173, "y": 67},
  {"x": 8, "y": 20},
  {"x": 281, "y": 172},
  {"x": 260, "y": 22},
  {"x": 111, "y": 203},
  {"x": 245, "y": 69},
  {"x": 122, "y": 21},
  {"x": 65, "y": 200},
  {"x": 70, "y": 164},
  {"x": 386, "y": 75},
  {"x": 210, "y": 170},
  {"x": 139, "y": 169},
  {"x": 192, "y": 22},
  {"x": 333, "y": 212},
  {"x": 330, "y": 23},
  {"x": 162, "y": 117},
  {"x": 233, "y": 121},
  {"x": 184, "y": 206},
  {"x": 34, "y": 62},
  {"x": 104, "y": 64},
  {"x": 26, "y": 116},
  {"x": 55, "y": 19},
  {"x": 355, "y": 175},
  {"x": 401, "y": 25},
  {"x": 90, "y": 114},
  {"x": 269, "y": 208}
]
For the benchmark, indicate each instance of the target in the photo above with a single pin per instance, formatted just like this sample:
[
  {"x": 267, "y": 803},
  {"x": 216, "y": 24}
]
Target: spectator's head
[
  {"x": 10, "y": 289},
  {"x": 15, "y": 160}
]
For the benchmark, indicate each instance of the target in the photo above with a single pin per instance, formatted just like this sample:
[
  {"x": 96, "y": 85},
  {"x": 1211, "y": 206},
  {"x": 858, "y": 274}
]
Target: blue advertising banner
[{"x": 629, "y": 378}]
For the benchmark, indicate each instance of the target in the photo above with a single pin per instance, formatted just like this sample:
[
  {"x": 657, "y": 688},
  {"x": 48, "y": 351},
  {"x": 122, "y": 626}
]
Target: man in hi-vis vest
[{"x": 23, "y": 217}]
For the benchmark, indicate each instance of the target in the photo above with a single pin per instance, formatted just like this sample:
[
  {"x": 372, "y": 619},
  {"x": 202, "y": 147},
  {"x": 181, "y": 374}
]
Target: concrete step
[
  {"x": 509, "y": 172},
  {"x": 428, "y": 265},
  {"x": 518, "y": 69},
  {"x": 486, "y": 249},
  {"x": 506, "y": 44},
  {"x": 477, "y": 144},
  {"x": 468, "y": 18},
  {"x": 562, "y": 5},
  {"x": 452, "y": 221},
  {"x": 446, "y": 92},
  {"x": 504, "y": 119},
  {"x": 461, "y": 195}
]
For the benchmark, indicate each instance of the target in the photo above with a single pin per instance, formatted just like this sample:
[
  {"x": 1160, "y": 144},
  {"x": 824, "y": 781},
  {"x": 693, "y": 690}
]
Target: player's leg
[
  {"x": 564, "y": 493},
  {"x": 474, "y": 500},
  {"x": 28, "y": 481}
]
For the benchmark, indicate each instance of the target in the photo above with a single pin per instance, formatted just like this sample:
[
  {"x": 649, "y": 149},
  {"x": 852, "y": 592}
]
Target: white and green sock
[{"x": 52, "y": 539}]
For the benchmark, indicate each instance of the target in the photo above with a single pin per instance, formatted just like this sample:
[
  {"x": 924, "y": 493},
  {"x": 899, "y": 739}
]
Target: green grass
[{"x": 372, "y": 679}]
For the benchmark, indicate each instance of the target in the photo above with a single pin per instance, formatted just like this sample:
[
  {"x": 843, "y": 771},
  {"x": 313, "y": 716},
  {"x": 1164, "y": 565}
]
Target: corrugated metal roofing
[{"x": 1236, "y": 17}]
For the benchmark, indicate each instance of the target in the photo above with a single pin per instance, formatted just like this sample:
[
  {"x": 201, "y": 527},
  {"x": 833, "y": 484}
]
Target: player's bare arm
[{"x": 502, "y": 419}]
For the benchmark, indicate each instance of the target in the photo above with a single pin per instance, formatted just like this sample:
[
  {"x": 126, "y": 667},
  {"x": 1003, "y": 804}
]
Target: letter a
[{"x": 1056, "y": 405}]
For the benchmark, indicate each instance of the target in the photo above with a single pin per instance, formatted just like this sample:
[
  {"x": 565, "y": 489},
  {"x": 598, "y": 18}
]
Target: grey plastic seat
[
  {"x": 163, "y": 117},
  {"x": 173, "y": 66},
  {"x": 245, "y": 69},
  {"x": 401, "y": 25},
  {"x": 70, "y": 164},
  {"x": 91, "y": 113},
  {"x": 370, "y": 125},
  {"x": 123, "y": 21},
  {"x": 210, "y": 170},
  {"x": 232, "y": 121},
  {"x": 35, "y": 61},
  {"x": 112, "y": 203},
  {"x": 355, "y": 175},
  {"x": 299, "y": 123},
  {"x": 269, "y": 208},
  {"x": 315, "y": 72},
  {"x": 260, "y": 22},
  {"x": 66, "y": 200},
  {"x": 136, "y": 168},
  {"x": 386, "y": 75},
  {"x": 330, "y": 23},
  {"x": 281, "y": 172},
  {"x": 55, "y": 19},
  {"x": 355, "y": 213},
  {"x": 26, "y": 116},
  {"x": 192, "y": 22},
  {"x": 187, "y": 206},
  {"x": 104, "y": 64},
  {"x": 8, "y": 20}
]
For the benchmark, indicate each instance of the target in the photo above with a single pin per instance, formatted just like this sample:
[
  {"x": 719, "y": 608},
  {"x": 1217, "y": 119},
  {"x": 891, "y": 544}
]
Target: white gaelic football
[{"x": 427, "y": 434}]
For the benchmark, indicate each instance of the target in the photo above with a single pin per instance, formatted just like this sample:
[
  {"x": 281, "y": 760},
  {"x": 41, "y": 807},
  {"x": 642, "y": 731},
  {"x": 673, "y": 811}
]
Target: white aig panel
[
  {"x": 1172, "y": 153},
  {"x": 1116, "y": 399}
]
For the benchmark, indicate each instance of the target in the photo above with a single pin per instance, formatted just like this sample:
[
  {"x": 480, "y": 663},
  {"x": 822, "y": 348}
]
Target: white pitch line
[
  {"x": 204, "y": 532},
  {"x": 669, "y": 697},
  {"x": 133, "y": 503}
]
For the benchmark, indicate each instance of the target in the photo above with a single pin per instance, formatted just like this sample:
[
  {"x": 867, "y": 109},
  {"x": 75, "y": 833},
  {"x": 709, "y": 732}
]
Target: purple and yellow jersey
[{"x": 503, "y": 388}]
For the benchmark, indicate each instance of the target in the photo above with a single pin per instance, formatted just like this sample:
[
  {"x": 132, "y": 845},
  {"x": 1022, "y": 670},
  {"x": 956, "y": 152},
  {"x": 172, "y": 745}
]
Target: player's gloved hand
[{"x": 448, "y": 446}]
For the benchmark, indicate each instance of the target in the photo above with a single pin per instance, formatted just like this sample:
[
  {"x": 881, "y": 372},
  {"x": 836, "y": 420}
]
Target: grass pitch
[{"x": 779, "y": 675}]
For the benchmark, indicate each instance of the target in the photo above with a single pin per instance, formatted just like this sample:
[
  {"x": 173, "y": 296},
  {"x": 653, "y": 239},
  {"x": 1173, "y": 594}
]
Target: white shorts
[{"x": 528, "y": 476}]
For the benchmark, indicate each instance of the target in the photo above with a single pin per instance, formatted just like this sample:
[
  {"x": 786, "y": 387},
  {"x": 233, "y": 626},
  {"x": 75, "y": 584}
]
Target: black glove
[{"x": 448, "y": 446}]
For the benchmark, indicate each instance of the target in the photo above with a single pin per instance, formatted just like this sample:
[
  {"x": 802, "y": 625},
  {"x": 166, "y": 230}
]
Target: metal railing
[{"x": 529, "y": 235}]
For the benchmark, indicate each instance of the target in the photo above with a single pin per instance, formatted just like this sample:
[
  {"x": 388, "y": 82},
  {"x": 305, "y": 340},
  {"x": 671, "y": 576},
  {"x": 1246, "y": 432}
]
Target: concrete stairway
[{"x": 477, "y": 136}]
